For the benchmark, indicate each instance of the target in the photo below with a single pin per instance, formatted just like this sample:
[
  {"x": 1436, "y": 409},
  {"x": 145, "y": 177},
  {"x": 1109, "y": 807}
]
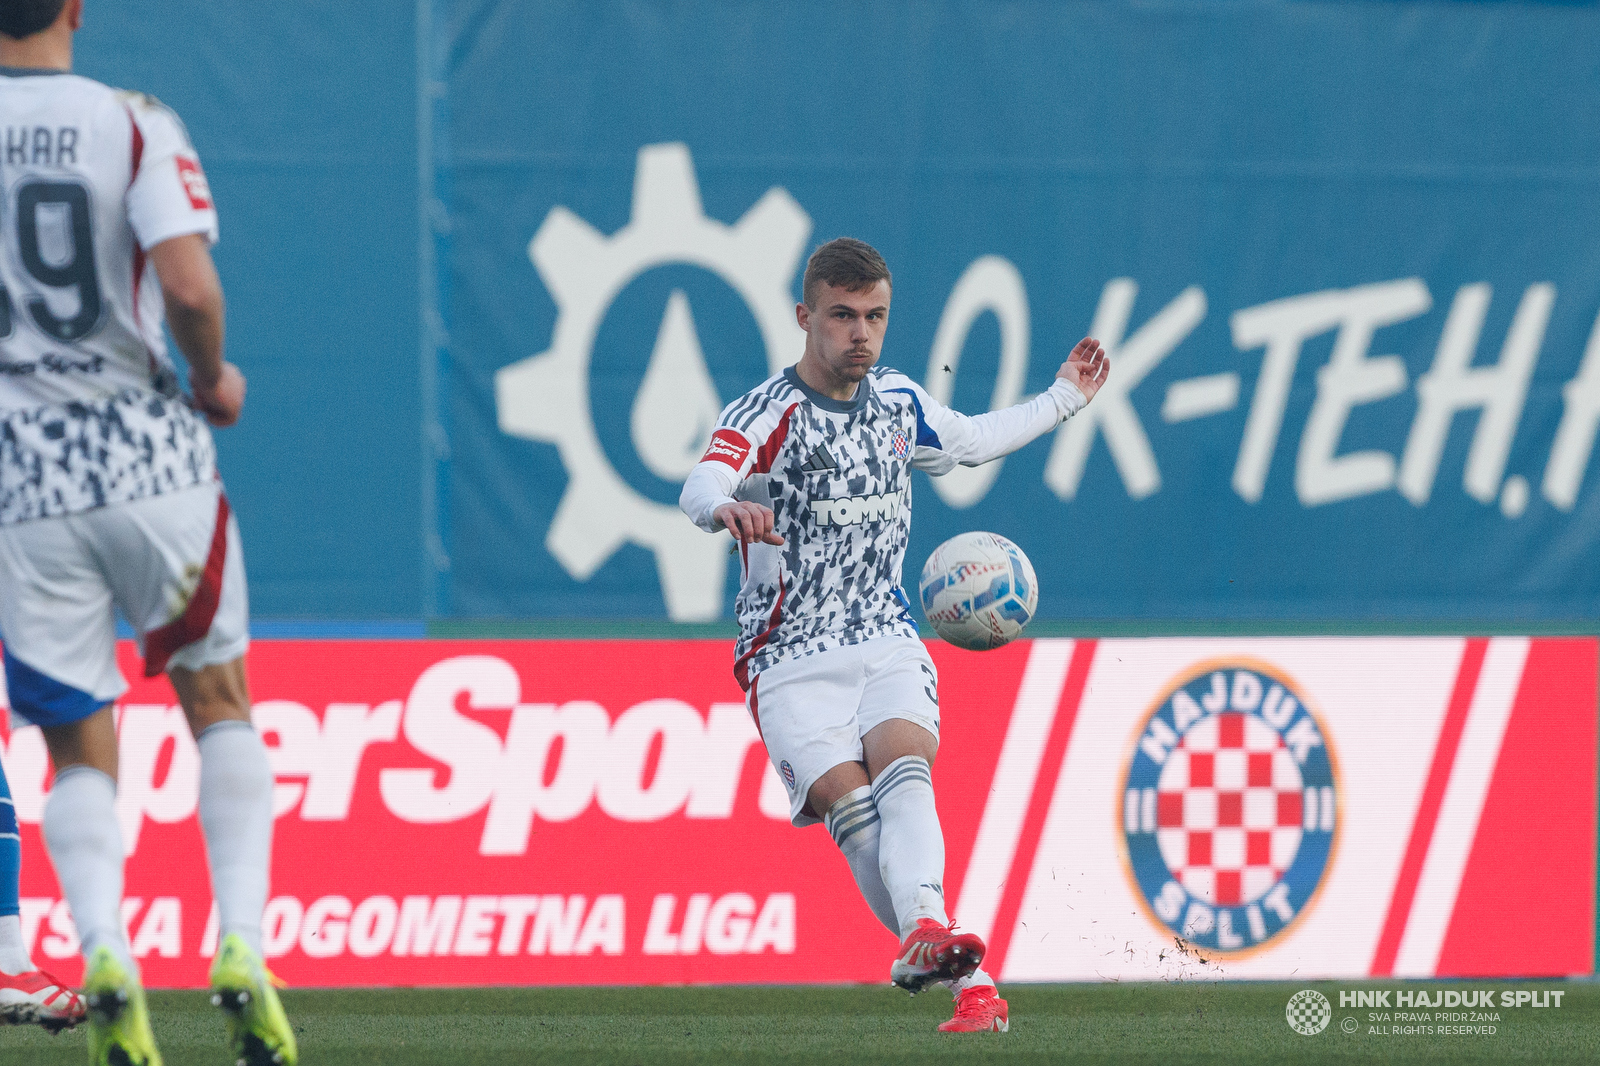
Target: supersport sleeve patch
[
  {"x": 727, "y": 446},
  {"x": 194, "y": 181}
]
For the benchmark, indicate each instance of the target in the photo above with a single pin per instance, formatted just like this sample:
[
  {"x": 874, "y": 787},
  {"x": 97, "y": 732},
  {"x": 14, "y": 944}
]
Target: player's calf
[{"x": 853, "y": 823}]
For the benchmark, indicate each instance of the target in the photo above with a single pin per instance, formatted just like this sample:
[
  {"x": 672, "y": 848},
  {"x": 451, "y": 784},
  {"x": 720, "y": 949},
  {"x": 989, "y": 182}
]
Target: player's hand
[
  {"x": 222, "y": 400},
  {"x": 750, "y": 523},
  {"x": 1086, "y": 367}
]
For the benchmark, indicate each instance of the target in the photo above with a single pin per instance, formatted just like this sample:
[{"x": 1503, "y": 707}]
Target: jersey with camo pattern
[
  {"x": 91, "y": 411},
  {"x": 837, "y": 476}
]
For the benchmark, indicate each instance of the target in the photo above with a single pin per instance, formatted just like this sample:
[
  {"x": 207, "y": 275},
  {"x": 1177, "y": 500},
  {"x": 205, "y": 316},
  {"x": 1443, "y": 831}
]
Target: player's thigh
[
  {"x": 895, "y": 739},
  {"x": 834, "y": 785},
  {"x": 806, "y": 711},
  {"x": 90, "y": 741},
  {"x": 899, "y": 701},
  {"x": 176, "y": 568},
  {"x": 57, "y": 623}
]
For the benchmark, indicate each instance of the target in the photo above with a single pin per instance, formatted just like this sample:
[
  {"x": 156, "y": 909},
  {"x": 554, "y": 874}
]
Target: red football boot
[
  {"x": 933, "y": 952},
  {"x": 979, "y": 1009},
  {"x": 36, "y": 997}
]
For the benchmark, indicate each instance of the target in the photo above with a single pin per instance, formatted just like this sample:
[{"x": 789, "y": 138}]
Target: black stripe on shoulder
[
  {"x": 737, "y": 409},
  {"x": 749, "y": 408},
  {"x": 755, "y": 412}
]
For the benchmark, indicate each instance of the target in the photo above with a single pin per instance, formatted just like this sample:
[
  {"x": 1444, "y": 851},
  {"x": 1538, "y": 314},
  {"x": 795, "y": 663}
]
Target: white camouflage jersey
[
  {"x": 90, "y": 406},
  {"x": 837, "y": 475}
]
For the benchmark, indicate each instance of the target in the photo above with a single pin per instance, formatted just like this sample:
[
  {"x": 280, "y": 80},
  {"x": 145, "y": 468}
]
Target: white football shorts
[
  {"x": 171, "y": 563},
  {"x": 813, "y": 711}
]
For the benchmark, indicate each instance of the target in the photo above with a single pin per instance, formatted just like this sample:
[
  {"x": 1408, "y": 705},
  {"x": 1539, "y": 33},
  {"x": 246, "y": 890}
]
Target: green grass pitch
[{"x": 1175, "y": 1023}]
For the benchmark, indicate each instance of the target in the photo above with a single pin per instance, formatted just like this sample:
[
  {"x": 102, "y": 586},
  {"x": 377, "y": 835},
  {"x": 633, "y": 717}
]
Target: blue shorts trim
[{"x": 42, "y": 700}]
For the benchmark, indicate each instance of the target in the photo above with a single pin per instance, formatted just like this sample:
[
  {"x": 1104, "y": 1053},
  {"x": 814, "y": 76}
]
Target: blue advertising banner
[
  {"x": 308, "y": 140},
  {"x": 1346, "y": 259}
]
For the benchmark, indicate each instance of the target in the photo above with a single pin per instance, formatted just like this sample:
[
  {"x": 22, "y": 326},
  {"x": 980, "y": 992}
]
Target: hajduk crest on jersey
[{"x": 1231, "y": 805}]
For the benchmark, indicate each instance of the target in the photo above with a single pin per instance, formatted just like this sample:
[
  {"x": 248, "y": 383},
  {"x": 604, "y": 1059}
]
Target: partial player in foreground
[
  {"x": 110, "y": 499},
  {"x": 28, "y": 995},
  {"x": 811, "y": 473}
]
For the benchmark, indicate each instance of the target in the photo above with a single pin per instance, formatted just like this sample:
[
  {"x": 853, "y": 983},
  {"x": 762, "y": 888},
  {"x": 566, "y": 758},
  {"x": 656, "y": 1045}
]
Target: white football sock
[
  {"x": 236, "y": 815},
  {"x": 13, "y": 952},
  {"x": 853, "y": 822},
  {"x": 961, "y": 984},
  {"x": 85, "y": 842},
  {"x": 911, "y": 845}
]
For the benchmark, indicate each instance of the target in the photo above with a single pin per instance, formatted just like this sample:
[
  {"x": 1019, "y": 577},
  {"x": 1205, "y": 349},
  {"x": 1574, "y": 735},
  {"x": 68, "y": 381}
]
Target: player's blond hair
[{"x": 844, "y": 263}]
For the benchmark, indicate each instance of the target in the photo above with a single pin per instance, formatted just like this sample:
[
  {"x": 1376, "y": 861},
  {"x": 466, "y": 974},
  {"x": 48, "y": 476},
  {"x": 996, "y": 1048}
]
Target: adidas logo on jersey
[
  {"x": 853, "y": 510},
  {"x": 819, "y": 460}
]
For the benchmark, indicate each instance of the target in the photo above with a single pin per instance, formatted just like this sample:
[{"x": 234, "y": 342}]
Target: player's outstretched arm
[
  {"x": 1086, "y": 368},
  {"x": 972, "y": 440},
  {"x": 193, "y": 295}
]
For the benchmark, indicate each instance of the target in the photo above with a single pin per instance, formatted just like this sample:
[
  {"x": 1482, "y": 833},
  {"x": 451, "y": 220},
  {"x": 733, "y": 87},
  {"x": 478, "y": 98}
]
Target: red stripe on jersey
[
  {"x": 769, "y": 450},
  {"x": 195, "y": 622},
  {"x": 764, "y": 457},
  {"x": 741, "y": 665},
  {"x": 138, "y": 252},
  {"x": 138, "y": 276},
  {"x": 138, "y": 147},
  {"x": 755, "y": 706}
]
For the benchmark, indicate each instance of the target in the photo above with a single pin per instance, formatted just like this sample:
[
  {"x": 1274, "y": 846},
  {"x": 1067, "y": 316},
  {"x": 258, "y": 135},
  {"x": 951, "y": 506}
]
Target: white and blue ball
[{"x": 978, "y": 591}]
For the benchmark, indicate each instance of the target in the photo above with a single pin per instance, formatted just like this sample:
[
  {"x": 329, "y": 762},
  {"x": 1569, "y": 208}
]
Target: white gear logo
[{"x": 546, "y": 397}]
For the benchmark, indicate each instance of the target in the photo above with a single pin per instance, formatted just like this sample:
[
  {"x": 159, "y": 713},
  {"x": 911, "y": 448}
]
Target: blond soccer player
[{"x": 811, "y": 473}]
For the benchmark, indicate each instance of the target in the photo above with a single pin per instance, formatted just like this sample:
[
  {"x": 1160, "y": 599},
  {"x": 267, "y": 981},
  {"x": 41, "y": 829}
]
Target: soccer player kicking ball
[
  {"x": 811, "y": 473},
  {"x": 110, "y": 499}
]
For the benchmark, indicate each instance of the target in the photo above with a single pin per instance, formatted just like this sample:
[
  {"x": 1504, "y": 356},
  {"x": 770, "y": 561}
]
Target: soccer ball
[{"x": 978, "y": 591}]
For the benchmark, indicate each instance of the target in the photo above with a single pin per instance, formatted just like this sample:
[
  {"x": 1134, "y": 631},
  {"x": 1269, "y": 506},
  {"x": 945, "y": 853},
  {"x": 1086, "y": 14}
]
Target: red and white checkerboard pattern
[{"x": 1229, "y": 809}]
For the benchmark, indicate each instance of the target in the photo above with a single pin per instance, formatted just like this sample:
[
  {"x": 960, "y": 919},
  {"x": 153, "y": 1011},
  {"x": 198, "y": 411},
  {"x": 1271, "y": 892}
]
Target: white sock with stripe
[
  {"x": 85, "y": 842},
  {"x": 855, "y": 826},
  {"x": 236, "y": 815},
  {"x": 911, "y": 844}
]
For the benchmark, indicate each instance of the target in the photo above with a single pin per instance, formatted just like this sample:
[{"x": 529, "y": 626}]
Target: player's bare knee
[
  {"x": 839, "y": 781},
  {"x": 895, "y": 739}
]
